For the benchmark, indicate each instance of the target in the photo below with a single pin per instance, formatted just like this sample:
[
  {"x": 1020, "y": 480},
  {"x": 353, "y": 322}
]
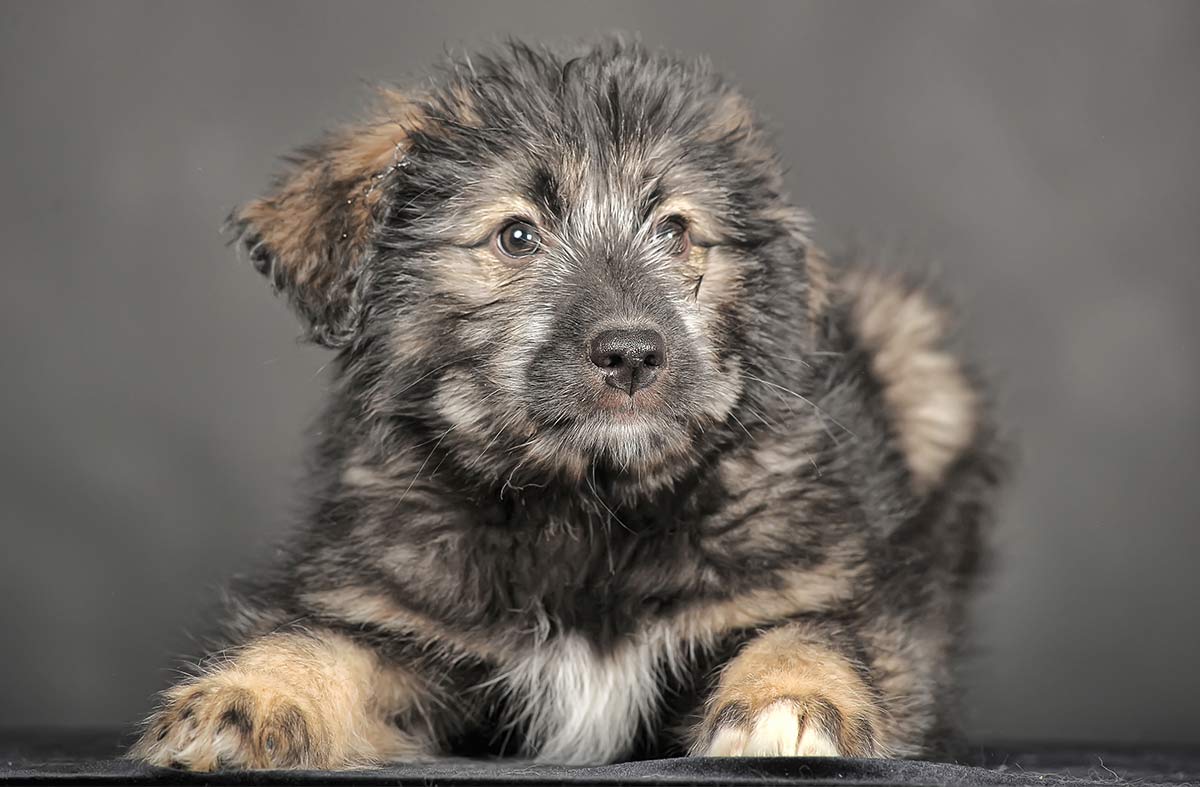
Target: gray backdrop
[{"x": 154, "y": 396}]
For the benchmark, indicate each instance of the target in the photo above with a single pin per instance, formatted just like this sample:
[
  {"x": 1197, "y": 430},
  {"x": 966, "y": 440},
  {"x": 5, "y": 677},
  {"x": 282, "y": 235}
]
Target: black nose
[{"x": 629, "y": 358}]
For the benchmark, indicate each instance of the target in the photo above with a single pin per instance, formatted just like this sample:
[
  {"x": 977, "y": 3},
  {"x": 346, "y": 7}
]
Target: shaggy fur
[{"x": 761, "y": 546}]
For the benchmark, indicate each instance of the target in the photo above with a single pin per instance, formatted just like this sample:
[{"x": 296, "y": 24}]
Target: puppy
[{"x": 618, "y": 463}]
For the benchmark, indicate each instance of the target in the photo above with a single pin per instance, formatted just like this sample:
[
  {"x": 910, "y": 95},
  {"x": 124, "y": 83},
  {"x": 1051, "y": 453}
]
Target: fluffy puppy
[{"x": 617, "y": 464}]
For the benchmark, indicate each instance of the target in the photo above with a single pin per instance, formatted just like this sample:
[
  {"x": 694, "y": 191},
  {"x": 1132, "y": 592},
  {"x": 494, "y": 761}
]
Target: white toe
[
  {"x": 776, "y": 732},
  {"x": 815, "y": 743},
  {"x": 727, "y": 742}
]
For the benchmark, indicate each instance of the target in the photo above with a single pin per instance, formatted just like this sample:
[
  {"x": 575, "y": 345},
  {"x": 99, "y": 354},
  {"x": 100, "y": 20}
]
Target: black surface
[{"x": 29, "y": 756}]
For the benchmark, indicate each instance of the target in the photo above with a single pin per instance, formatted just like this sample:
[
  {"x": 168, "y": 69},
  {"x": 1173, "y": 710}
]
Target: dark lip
[
  {"x": 619, "y": 403},
  {"x": 631, "y": 414},
  {"x": 602, "y": 404}
]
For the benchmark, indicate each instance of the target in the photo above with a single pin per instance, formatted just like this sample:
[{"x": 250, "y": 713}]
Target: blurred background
[{"x": 154, "y": 400}]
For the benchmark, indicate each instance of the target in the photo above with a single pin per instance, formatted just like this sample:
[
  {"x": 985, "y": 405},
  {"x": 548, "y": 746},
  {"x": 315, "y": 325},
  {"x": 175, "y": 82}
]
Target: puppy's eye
[
  {"x": 672, "y": 232},
  {"x": 518, "y": 239}
]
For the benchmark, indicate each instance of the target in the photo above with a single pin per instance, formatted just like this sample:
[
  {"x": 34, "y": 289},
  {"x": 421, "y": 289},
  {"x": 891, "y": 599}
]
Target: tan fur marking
[
  {"x": 472, "y": 274},
  {"x": 722, "y": 280},
  {"x": 817, "y": 268},
  {"x": 485, "y": 219},
  {"x": 807, "y": 591},
  {"x": 934, "y": 406},
  {"x": 774, "y": 697},
  {"x": 285, "y": 700},
  {"x": 704, "y": 223},
  {"x": 734, "y": 117},
  {"x": 365, "y": 605},
  {"x": 733, "y": 114},
  {"x": 804, "y": 591},
  {"x": 462, "y": 104}
]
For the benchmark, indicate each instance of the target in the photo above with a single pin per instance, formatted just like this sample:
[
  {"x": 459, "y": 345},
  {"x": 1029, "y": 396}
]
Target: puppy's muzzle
[{"x": 629, "y": 358}]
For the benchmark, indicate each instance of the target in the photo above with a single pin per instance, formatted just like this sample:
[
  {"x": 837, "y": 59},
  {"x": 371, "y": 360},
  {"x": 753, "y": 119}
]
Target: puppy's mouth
[
  {"x": 627, "y": 407},
  {"x": 632, "y": 426},
  {"x": 599, "y": 425}
]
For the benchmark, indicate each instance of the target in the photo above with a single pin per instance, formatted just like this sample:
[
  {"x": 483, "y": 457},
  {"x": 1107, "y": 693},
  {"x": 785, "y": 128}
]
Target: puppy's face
[
  {"x": 593, "y": 282},
  {"x": 554, "y": 262}
]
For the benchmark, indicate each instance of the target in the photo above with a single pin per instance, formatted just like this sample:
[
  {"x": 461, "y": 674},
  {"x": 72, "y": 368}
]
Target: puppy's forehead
[
  {"x": 578, "y": 181},
  {"x": 572, "y": 186}
]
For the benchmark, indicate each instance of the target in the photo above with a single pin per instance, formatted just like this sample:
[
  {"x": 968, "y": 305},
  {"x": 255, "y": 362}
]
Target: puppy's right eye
[{"x": 518, "y": 239}]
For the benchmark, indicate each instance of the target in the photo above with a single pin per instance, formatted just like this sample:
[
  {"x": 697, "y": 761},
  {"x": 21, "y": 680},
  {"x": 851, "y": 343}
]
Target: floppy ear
[{"x": 313, "y": 233}]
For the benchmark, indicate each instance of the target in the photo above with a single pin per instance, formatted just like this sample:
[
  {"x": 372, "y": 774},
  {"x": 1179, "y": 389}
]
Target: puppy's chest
[
  {"x": 577, "y": 705},
  {"x": 612, "y": 569},
  {"x": 593, "y": 579}
]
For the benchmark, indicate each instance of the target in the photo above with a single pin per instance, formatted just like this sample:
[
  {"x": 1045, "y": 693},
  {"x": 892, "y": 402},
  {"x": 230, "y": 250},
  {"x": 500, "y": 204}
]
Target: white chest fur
[{"x": 582, "y": 707}]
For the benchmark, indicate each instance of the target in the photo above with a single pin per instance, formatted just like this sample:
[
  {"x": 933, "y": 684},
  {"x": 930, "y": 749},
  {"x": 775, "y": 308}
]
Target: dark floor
[{"x": 91, "y": 757}]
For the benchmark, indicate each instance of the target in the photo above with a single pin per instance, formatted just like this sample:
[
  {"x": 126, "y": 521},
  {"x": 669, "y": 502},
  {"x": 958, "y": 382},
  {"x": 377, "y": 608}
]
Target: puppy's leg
[
  {"x": 288, "y": 700},
  {"x": 790, "y": 692}
]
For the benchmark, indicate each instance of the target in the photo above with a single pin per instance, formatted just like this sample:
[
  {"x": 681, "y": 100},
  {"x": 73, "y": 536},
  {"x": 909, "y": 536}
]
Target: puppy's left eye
[
  {"x": 518, "y": 239},
  {"x": 672, "y": 232}
]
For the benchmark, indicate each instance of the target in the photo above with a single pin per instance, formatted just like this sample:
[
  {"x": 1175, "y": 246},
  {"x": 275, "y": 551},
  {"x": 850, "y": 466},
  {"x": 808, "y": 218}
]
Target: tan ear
[{"x": 311, "y": 235}]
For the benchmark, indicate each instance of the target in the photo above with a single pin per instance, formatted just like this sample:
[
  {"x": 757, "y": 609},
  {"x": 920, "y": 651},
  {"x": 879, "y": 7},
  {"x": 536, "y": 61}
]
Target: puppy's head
[{"x": 552, "y": 261}]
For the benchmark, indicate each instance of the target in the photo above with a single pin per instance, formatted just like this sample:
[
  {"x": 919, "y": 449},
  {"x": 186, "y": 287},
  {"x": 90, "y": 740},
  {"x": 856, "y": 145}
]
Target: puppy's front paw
[
  {"x": 788, "y": 695},
  {"x": 784, "y": 727},
  {"x": 234, "y": 722}
]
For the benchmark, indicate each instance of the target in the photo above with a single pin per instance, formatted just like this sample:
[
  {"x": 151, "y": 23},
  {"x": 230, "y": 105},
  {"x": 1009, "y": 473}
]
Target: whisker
[
  {"x": 774, "y": 427},
  {"x": 744, "y": 429},
  {"x": 788, "y": 358},
  {"x": 525, "y": 444},
  {"x": 503, "y": 425},
  {"x": 807, "y": 401},
  {"x": 592, "y": 483},
  {"x": 435, "y": 370},
  {"x": 413, "y": 483}
]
